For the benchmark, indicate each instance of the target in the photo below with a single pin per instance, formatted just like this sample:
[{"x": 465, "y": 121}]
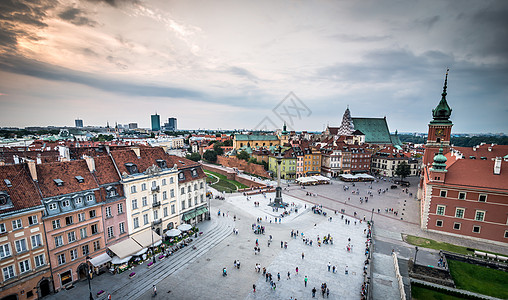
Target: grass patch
[
  {"x": 479, "y": 279},
  {"x": 428, "y": 243},
  {"x": 423, "y": 293},
  {"x": 223, "y": 184}
]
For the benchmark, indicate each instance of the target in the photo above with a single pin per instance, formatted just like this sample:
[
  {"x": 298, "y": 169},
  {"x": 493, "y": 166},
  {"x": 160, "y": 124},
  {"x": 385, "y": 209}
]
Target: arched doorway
[
  {"x": 158, "y": 231},
  {"x": 82, "y": 271},
  {"x": 10, "y": 297},
  {"x": 44, "y": 287}
]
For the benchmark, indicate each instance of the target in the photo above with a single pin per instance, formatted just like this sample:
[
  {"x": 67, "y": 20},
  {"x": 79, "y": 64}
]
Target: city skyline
[{"x": 229, "y": 64}]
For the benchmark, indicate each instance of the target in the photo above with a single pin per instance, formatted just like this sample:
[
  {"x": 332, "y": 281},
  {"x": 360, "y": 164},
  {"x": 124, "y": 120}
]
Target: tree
[
  {"x": 265, "y": 164},
  {"x": 253, "y": 160},
  {"x": 217, "y": 147},
  {"x": 194, "y": 156},
  {"x": 403, "y": 170},
  {"x": 243, "y": 155},
  {"x": 228, "y": 143},
  {"x": 210, "y": 156}
]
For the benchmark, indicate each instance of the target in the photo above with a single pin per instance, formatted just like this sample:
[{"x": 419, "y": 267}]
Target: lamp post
[
  {"x": 88, "y": 276},
  {"x": 153, "y": 250},
  {"x": 416, "y": 252},
  {"x": 371, "y": 216}
]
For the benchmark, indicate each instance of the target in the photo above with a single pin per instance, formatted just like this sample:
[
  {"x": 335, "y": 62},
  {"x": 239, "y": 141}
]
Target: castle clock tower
[{"x": 440, "y": 128}]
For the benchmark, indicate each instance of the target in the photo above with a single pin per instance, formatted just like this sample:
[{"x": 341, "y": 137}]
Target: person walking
[
  {"x": 154, "y": 291},
  {"x": 305, "y": 280},
  {"x": 314, "y": 292},
  {"x": 303, "y": 255},
  {"x": 254, "y": 287},
  {"x": 329, "y": 266},
  {"x": 278, "y": 276},
  {"x": 296, "y": 270},
  {"x": 289, "y": 276}
]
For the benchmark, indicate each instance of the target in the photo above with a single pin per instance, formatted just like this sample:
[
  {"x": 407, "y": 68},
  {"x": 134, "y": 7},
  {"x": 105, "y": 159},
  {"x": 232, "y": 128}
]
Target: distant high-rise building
[
  {"x": 133, "y": 125},
  {"x": 79, "y": 123},
  {"x": 172, "y": 124},
  {"x": 156, "y": 122}
]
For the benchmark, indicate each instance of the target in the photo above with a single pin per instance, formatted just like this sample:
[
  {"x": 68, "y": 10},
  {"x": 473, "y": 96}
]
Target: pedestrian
[
  {"x": 296, "y": 270},
  {"x": 329, "y": 266},
  {"x": 278, "y": 276},
  {"x": 303, "y": 255},
  {"x": 254, "y": 287},
  {"x": 274, "y": 286},
  {"x": 314, "y": 292},
  {"x": 281, "y": 244},
  {"x": 289, "y": 276},
  {"x": 327, "y": 292},
  {"x": 333, "y": 269},
  {"x": 154, "y": 291},
  {"x": 346, "y": 270},
  {"x": 305, "y": 280},
  {"x": 109, "y": 296}
]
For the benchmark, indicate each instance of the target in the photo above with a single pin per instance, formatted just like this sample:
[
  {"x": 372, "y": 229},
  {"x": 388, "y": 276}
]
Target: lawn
[
  {"x": 479, "y": 279},
  {"x": 223, "y": 184},
  {"x": 422, "y": 293},
  {"x": 428, "y": 243}
]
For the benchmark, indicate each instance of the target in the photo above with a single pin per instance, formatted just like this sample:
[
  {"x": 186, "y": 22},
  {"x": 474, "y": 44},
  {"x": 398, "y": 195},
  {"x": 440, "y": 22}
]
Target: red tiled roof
[
  {"x": 483, "y": 151},
  {"x": 105, "y": 170},
  {"x": 65, "y": 171},
  {"x": 477, "y": 173},
  {"x": 23, "y": 192}
]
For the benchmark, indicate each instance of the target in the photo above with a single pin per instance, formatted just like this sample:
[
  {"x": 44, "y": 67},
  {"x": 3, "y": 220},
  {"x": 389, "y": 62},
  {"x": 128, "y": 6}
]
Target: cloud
[
  {"x": 115, "y": 3},
  {"x": 75, "y": 16},
  {"x": 238, "y": 71}
]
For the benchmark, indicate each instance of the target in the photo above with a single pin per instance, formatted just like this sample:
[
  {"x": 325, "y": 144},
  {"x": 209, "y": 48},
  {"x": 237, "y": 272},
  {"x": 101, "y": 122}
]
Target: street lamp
[
  {"x": 88, "y": 276},
  {"x": 153, "y": 250},
  {"x": 371, "y": 215},
  {"x": 416, "y": 252}
]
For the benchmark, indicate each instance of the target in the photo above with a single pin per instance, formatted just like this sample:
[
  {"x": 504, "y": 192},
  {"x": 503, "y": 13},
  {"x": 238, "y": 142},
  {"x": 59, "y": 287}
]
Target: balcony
[
  {"x": 156, "y": 204},
  {"x": 157, "y": 222},
  {"x": 155, "y": 189}
]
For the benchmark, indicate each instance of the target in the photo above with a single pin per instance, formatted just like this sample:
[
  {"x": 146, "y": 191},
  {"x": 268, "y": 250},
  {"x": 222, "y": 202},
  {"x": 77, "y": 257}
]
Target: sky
[{"x": 253, "y": 64}]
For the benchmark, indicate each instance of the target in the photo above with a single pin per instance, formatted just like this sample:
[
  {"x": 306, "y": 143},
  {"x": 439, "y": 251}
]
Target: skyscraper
[
  {"x": 156, "y": 122},
  {"x": 172, "y": 124},
  {"x": 79, "y": 123}
]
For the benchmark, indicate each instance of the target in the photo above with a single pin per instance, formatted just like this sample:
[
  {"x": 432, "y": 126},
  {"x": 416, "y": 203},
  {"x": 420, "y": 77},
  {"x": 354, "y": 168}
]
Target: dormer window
[
  {"x": 58, "y": 182},
  {"x": 132, "y": 168},
  {"x": 111, "y": 192},
  {"x": 80, "y": 179},
  {"x": 181, "y": 176},
  {"x": 194, "y": 173},
  {"x": 66, "y": 203},
  {"x": 162, "y": 163},
  {"x": 181, "y": 162},
  {"x": 52, "y": 206},
  {"x": 8, "y": 182},
  {"x": 89, "y": 198},
  {"x": 4, "y": 198}
]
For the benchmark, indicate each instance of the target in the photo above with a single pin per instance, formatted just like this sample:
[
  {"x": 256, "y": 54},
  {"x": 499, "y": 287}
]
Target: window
[
  {"x": 182, "y": 191},
  {"x": 134, "y": 204},
  {"x": 443, "y": 194},
  {"x": 154, "y": 183},
  {"x": 79, "y": 200},
  {"x": 39, "y": 260},
  {"x": 71, "y": 236},
  {"x": 121, "y": 227},
  {"x": 155, "y": 214},
  {"x": 85, "y": 250},
  {"x": 201, "y": 185},
  {"x": 56, "y": 224},
  {"x": 143, "y": 187},
  {"x": 133, "y": 189},
  {"x": 439, "y": 223},
  {"x": 482, "y": 198},
  {"x": 172, "y": 193},
  {"x": 61, "y": 259},
  {"x": 96, "y": 245},
  {"x": 144, "y": 200},
  {"x": 94, "y": 229},
  {"x": 8, "y": 272},
  {"x": 82, "y": 233},
  {"x": 154, "y": 196},
  {"x": 32, "y": 220},
  {"x": 196, "y": 200},
  {"x": 136, "y": 222},
  {"x": 459, "y": 213},
  {"x": 172, "y": 209},
  {"x": 16, "y": 224},
  {"x": 506, "y": 234},
  {"x": 165, "y": 211},
  {"x": 189, "y": 189},
  {"x": 58, "y": 241},
  {"x": 2, "y": 228},
  {"x": 5, "y": 250},
  {"x": 195, "y": 186},
  {"x": 189, "y": 202},
  {"x": 164, "y": 195},
  {"x": 52, "y": 206},
  {"x": 145, "y": 219},
  {"x": 183, "y": 204},
  {"x": 120, "y": 208},
  {"x": 108, "y": 212},
  {"x": 171, "y": 180},
  {"x": 480, "y": 215},
  {"x": 110, "y": 232},
  {"x": 81, "y": 217},
  {"x": 89, "y": 198},
  {"x": 202, "y": 198},
  {"x": 74, "y": 254},
  {"x": 92, "y": 213},
  {"x": 456, "y": 226},
  {"x": 21, "y": 246},
  {"x": 68, "y": 220},
  {"x": 36, "y": 241},
  {"x": 164, "y": 181},
  {"x": 24, "y": 266},
  {"x": 66, "y": 203},
  {"x": 476, "y": 229},
  {"x": 462, "y": 195}
]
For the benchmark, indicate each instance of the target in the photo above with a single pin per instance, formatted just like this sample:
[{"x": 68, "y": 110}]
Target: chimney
[
  {"x": 137, "y": 151},
  {"x": 490, "y": 149},
  {"x": 16, "y": 159},
  {"x": 497, "y": 166},
  {"x": 90, "y": 162},
  {"x": 33, "y": 171}
]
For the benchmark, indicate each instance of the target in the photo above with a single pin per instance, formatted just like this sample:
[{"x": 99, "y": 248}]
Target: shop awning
[
  {"x": 100, "y": 260},
  {"x": 125, "y": 248},
  {"x": 193, "y": 213},
  {"x": 144, "y": 238},
  {"x": 118, "y": 261},
  {"x": 140, "y": 252}
]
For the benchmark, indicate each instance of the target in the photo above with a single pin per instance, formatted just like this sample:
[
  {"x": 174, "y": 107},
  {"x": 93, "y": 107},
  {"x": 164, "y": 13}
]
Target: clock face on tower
[{"x": 439, "y": 132}]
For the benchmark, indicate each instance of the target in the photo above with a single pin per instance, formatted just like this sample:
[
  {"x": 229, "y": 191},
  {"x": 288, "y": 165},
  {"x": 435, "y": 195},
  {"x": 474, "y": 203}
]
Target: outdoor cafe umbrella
[
  {"x": 173, "y": 232},
  {"x": 184, "y": 227}
]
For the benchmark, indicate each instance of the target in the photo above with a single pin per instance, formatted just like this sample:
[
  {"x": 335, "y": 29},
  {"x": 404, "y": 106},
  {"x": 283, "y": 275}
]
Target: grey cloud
[
  {"x": 243, "y": 73},
  {"x": 115, "y": 3},
  {"x": 428, "y": 22},
  {"x": 75, "y": 16}
]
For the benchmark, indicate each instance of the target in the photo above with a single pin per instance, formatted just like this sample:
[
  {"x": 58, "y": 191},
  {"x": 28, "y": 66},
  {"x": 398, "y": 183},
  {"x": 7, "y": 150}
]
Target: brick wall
[
  {"x": 233, "y": 162},
  {"x": 232, "y": 176}
]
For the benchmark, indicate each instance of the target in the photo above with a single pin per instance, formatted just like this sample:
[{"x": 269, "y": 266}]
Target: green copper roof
[
  {"x": 255, "y": 137},
  {"x": 375, "y": 130},
  {"x": 439, "y": 163},
  {"x": 442, "y": 112},
  {"x": 395, "y": 139}
]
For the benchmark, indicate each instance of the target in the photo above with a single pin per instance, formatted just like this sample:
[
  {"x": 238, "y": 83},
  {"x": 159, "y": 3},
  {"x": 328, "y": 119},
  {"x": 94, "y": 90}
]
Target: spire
[
  {"x": 439, "y": 163},
  {"x": 442, "y": 112},
  {"x": 284, "y": 131},
  {"x": 346, "y": 127}
]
